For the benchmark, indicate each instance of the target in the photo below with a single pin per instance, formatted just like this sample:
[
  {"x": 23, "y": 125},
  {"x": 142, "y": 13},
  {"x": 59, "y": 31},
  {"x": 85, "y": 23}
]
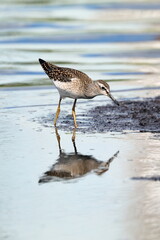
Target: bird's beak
[{"x": 113, "y": 99}]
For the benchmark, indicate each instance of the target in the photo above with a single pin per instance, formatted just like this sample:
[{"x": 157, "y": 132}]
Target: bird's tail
[{"x": 48, "y": 67}]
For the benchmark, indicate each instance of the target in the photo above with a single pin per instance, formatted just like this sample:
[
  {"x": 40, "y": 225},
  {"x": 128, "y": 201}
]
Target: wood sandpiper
[{"x": 74, "y": 84}]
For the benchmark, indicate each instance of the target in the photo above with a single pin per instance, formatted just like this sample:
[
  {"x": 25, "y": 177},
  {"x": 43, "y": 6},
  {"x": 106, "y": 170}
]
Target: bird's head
[{"x": 104, "y": 89}]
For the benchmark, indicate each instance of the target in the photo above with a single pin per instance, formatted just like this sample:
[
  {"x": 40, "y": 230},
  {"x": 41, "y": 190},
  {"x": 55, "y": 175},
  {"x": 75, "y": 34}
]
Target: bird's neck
[{"x": 91, "y": 90}]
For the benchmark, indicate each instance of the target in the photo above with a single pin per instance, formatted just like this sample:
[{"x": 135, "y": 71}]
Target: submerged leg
[
  {"x": 74, "y": 114},
  {"x": 57, "y": 112},
  {"x": 73, "y": 140}
]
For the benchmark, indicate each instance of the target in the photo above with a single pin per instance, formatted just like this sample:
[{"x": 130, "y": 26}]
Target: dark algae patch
[{"x": 141, "y": 115}]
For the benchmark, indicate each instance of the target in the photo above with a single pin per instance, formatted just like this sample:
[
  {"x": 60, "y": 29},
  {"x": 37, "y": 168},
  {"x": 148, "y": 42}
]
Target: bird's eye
[{"x": 103, "y": 88}]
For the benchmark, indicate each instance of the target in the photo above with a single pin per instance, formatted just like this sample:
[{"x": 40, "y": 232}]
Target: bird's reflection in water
[{"x": 74, "y": 165}]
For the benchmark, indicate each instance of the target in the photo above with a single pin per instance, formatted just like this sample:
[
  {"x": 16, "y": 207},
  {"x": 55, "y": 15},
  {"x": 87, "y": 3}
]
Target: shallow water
[{"x": 115, "y": 41}]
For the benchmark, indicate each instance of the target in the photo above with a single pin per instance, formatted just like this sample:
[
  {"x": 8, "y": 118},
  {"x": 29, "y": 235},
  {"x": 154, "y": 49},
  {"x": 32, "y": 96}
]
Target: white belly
[{"x": 69, "y": 89}]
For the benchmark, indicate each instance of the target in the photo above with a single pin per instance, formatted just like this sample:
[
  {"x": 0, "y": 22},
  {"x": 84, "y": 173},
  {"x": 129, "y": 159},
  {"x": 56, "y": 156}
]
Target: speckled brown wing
[{"x": 62, "y": 74}]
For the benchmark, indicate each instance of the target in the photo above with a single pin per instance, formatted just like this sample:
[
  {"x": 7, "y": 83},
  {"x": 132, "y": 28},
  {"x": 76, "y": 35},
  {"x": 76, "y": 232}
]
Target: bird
[{"x": 72, "y": 83}]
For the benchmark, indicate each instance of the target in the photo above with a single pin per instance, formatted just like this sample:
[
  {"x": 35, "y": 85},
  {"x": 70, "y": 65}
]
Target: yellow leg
[
  {"x": 57, "y": 112},
  {"x": 58, "y": 139},
  {"x": 74, "y": 135},
  {"x": 74, "y": 114}
]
